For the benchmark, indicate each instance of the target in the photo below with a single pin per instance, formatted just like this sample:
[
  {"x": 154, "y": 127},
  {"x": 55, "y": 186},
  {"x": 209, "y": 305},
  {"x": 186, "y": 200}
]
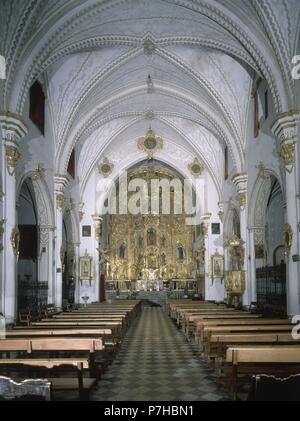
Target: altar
[{"x": 149, "y": 285}]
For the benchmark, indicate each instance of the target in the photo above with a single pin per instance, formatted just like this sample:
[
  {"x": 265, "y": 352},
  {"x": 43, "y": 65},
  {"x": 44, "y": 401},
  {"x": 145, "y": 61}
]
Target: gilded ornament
[
  {"x": 12, "y": 158},
  {"x": 106, "y": 167},
  {"x": 287, "y": 238},
  {"x": 287, "y": 153},
  {"x": 15, "y": 241},
  {"x": 196, "y": 167},
  {"x": 150, "y": 143},
  {"x": 60, "y": 200}
]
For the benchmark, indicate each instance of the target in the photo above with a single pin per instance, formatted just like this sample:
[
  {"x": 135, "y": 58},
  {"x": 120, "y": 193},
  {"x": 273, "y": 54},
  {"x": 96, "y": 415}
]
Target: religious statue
[{"x": 151, "y": 237}]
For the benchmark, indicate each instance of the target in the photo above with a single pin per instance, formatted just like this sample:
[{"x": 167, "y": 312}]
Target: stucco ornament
[
  {"x": 150, "y": 143},
  {"x": 106, "y": 167},
  {"x": 196, "y": 167}
]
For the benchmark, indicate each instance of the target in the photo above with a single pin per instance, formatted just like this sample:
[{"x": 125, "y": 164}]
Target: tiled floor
[{"x": 156, "y": 363}]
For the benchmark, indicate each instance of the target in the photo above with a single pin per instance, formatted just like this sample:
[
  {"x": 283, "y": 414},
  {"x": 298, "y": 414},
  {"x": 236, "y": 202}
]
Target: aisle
[{"x": 156, "y": 363}]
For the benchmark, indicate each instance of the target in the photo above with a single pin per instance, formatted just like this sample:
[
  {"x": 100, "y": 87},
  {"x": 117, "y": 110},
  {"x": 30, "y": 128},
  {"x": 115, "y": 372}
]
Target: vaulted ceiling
[{"x": 95, "y": 56}]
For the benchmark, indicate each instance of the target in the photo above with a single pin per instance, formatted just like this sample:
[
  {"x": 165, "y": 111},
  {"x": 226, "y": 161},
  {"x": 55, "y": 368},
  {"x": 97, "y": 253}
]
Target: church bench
[
  {"x": 215, "y": 347},
  {"x": 84, "y": 322},
  {"x": 190, "y": 320},
  {"x": 117, "y": 327},
  {"x": 208, "y": 323},
  {"x": 71, "y": 317},
  {"x": 52, "y": 346},
  {"x": 173, "y": 308},
  {"x": 110, "y": 341},
  {"x": 249, "y": 360},
  {"x": 59, "y": 332},
  {"x": 83, "y": 385},
  {"x": 176, "y": 309},
  {"x": 180, "y": 313},
  {"x": 229, "y": 316}
]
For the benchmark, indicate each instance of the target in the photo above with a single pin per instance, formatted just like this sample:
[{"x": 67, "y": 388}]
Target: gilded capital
[
  {"x": 60, "y": 200},
  {"x": 285, "y": 129},
  {"x": 60, "y": 184},
  {"x": 13, "y": 130},
  {"x": 12, "y": 157},
  {"x": 240, "y": 181}
]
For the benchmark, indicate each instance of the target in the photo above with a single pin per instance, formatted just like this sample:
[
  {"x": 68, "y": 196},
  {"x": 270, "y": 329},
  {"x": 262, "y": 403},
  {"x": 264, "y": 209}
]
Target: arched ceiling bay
[{"x": 96, "y": 55}]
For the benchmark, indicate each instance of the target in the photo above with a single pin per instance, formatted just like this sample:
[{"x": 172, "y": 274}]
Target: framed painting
[
  {"x": 86, "y": 231},
  {"x": 216, "y": 229},
  {"x": 86, "y": 268},
  {"x": 217, "y": 266}
]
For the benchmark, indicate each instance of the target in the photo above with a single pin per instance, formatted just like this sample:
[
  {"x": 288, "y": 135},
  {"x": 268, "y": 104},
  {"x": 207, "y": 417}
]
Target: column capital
[
  {"x": 97, "y": 225},
  {"x": 285, "y": 129},
  {"x": 206, "y": 216},
  {"x": 13, "y": 130},
  {"x": 12, "y": 126},
  {"x": 285, "y": 125},
  {"x": 240, "y": 180},
  {"x": 60, "y": 183}
]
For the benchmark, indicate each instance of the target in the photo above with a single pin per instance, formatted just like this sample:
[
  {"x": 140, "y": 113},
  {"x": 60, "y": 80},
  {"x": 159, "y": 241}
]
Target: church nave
[
  {"x": 150, "y": 153},
  {"x": 156, "y": 363}
]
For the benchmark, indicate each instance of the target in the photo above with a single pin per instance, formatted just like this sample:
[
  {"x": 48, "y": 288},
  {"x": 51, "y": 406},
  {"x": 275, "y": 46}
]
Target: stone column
[
  {"x": 97, "y": 234},
  {"x": 60, "y": 183},
  {"x": 285, "y": 128},
  {"x": 256, "y": 238},
  {"x": 77, "y": 274},
  {"x": 13, "y": 129},
  {"x": 205, "y": 234},
  {"x": 46, "y": 259},
  {"x": 240, "y": 181}
]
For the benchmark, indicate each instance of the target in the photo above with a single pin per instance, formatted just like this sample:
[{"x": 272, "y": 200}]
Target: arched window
[
  {"x": 180, "y": 252},
  {"x": 37, "y": 106},
  {"x": 122, "y": 251}
]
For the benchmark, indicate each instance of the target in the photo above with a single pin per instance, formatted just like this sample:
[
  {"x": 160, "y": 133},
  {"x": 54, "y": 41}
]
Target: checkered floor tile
[{"x": 156, "y": 363}]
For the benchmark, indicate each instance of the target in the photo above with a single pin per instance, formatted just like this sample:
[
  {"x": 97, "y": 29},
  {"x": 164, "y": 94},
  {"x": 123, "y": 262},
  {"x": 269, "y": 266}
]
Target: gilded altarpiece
[{"x": 150, "y": 247}]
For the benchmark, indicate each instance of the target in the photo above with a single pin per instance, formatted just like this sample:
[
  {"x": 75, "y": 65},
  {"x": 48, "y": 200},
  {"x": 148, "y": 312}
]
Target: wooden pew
[
  {"x": 190, "y": 320},
  {"x": 100, "y": 333},
  {"x": 118, "y": 328},
  {"x": 249, "y": 360},
  {"x": 217, "y": 344},
  {"x": 206, "y": 323},
  {"x": 51, "y": 346}
]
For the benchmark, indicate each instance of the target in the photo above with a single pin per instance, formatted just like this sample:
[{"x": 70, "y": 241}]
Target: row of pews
[
  {"x": 240, "y": 346},
  {"x": 70, "y": 349}
]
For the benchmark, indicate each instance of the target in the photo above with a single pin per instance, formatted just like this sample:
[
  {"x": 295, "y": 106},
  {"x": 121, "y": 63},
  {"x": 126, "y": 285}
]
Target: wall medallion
[
  {"x": 106, "y": 167},
  {"x": 150, "y": 143},
  {"x": 196, "y": 167}
]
